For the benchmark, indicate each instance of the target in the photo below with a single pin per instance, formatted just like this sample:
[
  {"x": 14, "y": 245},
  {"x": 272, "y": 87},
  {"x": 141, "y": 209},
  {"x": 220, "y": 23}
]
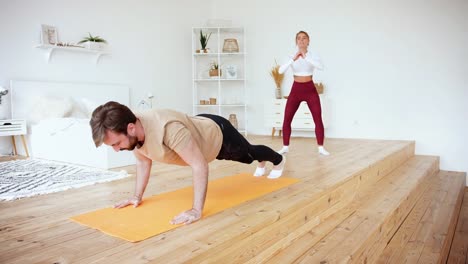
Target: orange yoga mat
[{"x": 152, "y": 216}]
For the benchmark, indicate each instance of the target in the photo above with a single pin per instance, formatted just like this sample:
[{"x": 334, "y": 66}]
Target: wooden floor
[
  {"x": 373, "y": 186},
  {"x": 459, "y": 248}
]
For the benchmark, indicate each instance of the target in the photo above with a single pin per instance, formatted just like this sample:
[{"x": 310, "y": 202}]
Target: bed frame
[{"x": 77, "y": 147}]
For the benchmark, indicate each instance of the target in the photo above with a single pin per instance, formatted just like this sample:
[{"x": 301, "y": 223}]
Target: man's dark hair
[{"x": 110, "y": 116}]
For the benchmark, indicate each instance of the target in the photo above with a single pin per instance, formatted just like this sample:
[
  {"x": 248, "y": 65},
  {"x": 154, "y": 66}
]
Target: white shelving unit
[
  {"x": 51, "y": 48},
  {"x": 228, "y": 89}
]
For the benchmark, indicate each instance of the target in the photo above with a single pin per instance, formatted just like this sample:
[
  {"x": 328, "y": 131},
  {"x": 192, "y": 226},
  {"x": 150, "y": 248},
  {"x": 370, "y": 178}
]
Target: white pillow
[
  {"x": 78, "y": 109},
  {"x": 82, "y": 108},
  {"x": 86, "y": 106},
  {"x": 89, "y": 105},
  {"x": 50, "y": 107}
]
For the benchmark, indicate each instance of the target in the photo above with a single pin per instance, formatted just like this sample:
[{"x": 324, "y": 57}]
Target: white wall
[
  {"x": 394, "y": 69},
  {"x": 150, "y": 43}
]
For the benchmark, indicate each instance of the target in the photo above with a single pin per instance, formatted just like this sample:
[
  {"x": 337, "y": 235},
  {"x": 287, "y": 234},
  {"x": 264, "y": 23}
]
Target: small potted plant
[
  {"x": 215, "y": 71},
  {"x": 93, "y": 42},
  {"x": 277, "y": 78},
  {"x": 204, "y": 41}
]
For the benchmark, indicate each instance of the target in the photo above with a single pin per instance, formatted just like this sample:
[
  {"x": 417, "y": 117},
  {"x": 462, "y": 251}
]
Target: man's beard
[{"x": 133, "y": 141}]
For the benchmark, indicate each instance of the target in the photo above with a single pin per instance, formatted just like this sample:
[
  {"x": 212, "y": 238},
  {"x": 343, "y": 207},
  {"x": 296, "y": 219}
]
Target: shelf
[
  {"x": 51, "y": 48},
  {"x": 207, "y": 80},
  {"x": 206, "y": 54},
  {"x": 216, "y": 79},
  {"x": 222, "y": 105},
  {"x": 216, "y": 54},
  {"x": 233, "y": 53},
  {"x": 239, "y": 30}
]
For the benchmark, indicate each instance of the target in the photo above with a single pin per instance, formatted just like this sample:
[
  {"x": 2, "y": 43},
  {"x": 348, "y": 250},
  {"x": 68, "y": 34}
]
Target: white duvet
[{"x": 70, "y": 140}]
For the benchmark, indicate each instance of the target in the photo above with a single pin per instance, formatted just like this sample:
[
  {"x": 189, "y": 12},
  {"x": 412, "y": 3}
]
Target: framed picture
[
  {"x": 231, "y": 71},
  {"x": 48, "y": 35}
]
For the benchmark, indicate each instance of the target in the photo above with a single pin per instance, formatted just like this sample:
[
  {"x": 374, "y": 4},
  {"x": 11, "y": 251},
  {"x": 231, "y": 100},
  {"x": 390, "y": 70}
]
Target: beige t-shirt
[{"x": 169, "y": 131}]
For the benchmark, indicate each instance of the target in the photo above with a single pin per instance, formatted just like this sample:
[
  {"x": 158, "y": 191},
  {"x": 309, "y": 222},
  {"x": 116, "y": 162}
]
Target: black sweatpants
[{"x": 235, "y": 147}]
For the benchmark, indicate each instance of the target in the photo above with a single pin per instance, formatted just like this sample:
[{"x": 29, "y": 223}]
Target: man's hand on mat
[
  {"x": 135, "y": 201},
  {"x": 186, "y": 217}
]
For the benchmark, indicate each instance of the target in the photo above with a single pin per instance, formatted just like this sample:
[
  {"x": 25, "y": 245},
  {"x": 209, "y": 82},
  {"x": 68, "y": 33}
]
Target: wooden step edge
[
  {"x": 457, "y": 204},
  {"x": 419, "y": 222},
  {"x": 440, "y": 233},
  {"x": 368, "y": 227},
  {"x": 393, "y": 222},
  {"x": 386, "y": 165},
  {"x": 290, "y": 251},
  {"x": 459, "y": 248},
  {"x": 415, "y": 215}
]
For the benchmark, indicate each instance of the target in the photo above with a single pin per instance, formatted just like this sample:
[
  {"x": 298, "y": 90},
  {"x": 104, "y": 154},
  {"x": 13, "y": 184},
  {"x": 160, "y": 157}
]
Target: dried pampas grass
[{"x": 277, "y": 77}]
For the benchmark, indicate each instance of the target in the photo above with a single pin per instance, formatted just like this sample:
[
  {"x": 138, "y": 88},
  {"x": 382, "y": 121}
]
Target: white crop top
[{"x": 303, "y": 66}]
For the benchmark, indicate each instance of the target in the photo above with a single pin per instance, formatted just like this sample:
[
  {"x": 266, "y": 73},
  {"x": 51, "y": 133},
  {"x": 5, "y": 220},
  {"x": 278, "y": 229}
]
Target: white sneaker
[
  {"x": 259, "y": 172},
  {"x": 322, "y": 151},
  {"x": 277, "y": 170},
  {"x": 284, "y": 150}
]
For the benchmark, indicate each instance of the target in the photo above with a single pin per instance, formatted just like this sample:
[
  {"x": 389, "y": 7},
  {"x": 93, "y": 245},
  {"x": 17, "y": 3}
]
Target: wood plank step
[
  {"x": 288, "y": 251},
  {"x": 459, "y": 249},
  {"x": 292, "y": 252},
  {"x": 228, "y": 237},
  {"x": 378, "y": 212},
  {"x": 426, "y": 235}
]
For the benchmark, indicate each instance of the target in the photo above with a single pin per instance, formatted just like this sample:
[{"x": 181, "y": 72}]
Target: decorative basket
[
  {"x": 230, "y": 45},
  {"x": 319, "y": 87}
]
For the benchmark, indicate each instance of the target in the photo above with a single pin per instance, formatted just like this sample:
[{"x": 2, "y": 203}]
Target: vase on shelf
[
  {"x": 319, "y": 87},
  {"x": 278, "y": 93},
  {"x": 233, "y": 120},
  {"x": 91, "y": 45}
]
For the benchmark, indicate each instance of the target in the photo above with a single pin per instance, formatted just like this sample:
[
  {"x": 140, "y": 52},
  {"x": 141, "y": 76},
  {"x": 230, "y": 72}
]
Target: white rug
[{"x": 25, "y": 178}]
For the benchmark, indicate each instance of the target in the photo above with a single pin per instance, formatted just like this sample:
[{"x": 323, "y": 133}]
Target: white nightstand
[{"x": 14, "y": 127}]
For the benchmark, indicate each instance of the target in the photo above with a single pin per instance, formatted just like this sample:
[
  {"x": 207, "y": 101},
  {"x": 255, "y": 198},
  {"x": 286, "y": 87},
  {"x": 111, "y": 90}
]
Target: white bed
[{"x": 62, "y": 135}]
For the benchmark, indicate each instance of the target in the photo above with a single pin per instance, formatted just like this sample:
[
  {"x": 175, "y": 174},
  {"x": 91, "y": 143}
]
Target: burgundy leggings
[{"x": 303, "y": 92}]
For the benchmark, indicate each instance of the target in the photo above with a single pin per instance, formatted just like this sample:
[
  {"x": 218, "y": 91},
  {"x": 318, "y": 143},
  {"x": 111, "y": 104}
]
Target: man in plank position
[{"x": 175, "y": 138}]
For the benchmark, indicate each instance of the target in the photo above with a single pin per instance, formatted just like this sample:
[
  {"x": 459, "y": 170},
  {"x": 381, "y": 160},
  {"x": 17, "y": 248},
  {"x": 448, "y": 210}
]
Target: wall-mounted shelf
[{"x": 51, "y": 48}]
